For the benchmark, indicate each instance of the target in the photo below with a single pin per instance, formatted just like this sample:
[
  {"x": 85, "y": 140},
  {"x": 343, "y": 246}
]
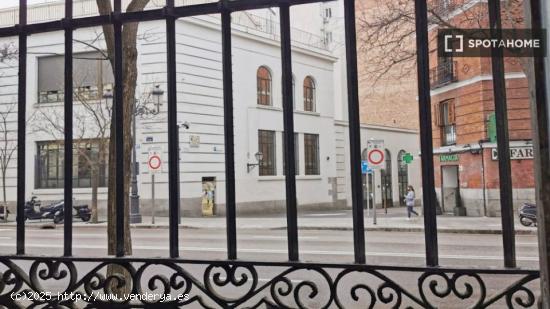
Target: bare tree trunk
[
  {"x": 4, "y": 195},
  {"x": 129, "y": 54},
  {"x": 95, "y": 184}
]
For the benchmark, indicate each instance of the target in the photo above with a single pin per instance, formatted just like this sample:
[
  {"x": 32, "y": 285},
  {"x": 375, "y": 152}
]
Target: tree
[
  {"x": 92, "y": 120},
  {"x": 386, "y": 32},
  {"x": 129, "y": 52},
  {"x": 8, "y": 145}
]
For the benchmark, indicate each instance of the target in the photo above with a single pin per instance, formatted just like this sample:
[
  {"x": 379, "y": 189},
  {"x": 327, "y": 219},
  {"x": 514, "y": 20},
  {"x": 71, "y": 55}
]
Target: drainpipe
[{"x": 483, "y": 178}]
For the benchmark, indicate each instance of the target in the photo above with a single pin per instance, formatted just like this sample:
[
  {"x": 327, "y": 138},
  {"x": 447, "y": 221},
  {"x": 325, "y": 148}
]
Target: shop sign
[
  {"x": 448, "y": 157},
  {"x": 516, "y": 153}
]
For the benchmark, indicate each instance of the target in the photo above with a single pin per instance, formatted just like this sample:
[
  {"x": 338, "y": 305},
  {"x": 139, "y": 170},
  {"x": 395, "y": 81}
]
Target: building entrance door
[
  {"x": 450, "y": 190},
  {"x": 386, "y": 180},
  {"x": 403, "y": 177}
]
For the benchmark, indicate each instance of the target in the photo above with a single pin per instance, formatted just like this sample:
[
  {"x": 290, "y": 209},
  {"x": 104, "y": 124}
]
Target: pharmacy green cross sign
[{"x": 408, "y": 158}]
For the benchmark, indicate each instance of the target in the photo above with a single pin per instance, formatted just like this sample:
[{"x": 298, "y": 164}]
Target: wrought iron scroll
[{"x": 84, "y": 283}]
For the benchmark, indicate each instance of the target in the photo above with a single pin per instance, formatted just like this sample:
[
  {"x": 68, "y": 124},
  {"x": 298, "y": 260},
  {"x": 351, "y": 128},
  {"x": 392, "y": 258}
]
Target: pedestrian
[{"x": 409, "y": 200}]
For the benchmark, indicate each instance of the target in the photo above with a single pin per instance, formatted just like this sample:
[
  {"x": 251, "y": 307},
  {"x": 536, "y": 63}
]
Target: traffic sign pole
[
  {"x": 374, "y": 197},
  {"x": 154, "y": 163},
  {"x": 152, "y": 198},
  {"x": 367, "y": 195}
]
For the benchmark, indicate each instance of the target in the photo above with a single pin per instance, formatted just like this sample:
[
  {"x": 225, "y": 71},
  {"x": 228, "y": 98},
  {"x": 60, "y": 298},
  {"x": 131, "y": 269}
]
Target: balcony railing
[
  {"x": 443, "y": 74},
  {"x": 244, "y": 21},
  {"x": 448, "y": 135},
  {"x": 445, "y": 7}
]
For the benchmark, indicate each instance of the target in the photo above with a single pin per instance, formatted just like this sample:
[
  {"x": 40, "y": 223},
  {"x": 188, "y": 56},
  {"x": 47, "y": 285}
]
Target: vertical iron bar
[
  {"x": 540, "y": 113},
  {"x": 21, "y": 124},
  {"x": 503, "y": 148},
  {"x": 68, "y": 97},
  {"x": 173, "y": 147},
  {"x": 231, "y": 224},
  {"x": 288, "y": 118},
  {"x": 426, "y": 146},
  {"x": 118, "y": 110},
  {"x": 354, "y": 133}
]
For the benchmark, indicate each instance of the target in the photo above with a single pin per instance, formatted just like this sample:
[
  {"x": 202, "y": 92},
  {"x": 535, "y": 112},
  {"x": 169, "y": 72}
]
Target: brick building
[{"x": 465, "y": 157}]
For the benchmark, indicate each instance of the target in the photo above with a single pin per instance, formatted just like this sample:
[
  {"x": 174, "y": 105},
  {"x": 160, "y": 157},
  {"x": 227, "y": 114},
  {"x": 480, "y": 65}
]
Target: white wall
[{"x": 394, "y": 140}]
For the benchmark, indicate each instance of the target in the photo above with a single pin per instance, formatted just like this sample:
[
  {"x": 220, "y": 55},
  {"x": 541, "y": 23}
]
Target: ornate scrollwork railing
[{"x": 167, "y": 283}]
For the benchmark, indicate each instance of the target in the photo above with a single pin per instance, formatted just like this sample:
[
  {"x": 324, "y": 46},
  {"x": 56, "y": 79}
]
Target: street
[
  {"x": 266, "y": 244},
  {"x": 387, "y": 248}
]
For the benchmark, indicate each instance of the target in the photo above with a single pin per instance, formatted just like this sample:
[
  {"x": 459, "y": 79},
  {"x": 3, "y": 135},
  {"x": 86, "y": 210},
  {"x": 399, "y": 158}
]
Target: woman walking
[{"x": 409, "y": 200}]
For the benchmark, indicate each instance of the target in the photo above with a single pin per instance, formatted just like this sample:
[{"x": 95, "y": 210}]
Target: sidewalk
[{"x": 394, "y": 221}]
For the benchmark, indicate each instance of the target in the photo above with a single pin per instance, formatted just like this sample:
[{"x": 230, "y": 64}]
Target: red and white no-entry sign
[
  {"x": 375, "y": 153},
  {"x": 154, "y": 162}
]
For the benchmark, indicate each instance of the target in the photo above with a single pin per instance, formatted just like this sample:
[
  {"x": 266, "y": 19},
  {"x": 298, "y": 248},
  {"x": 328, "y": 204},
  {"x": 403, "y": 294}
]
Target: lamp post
[
  {"x": 259, "y": 157},
  {"x": 135, "y": 215}
]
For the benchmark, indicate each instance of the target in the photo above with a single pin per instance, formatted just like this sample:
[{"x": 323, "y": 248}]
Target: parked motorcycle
[
  {"x": 55, "y": 211},
  {"x": 2, "y": 212},
  {"x": 528, "y": 214},
  {"x": 80, "y": 211},
  {"x": 34, "y": 210}
]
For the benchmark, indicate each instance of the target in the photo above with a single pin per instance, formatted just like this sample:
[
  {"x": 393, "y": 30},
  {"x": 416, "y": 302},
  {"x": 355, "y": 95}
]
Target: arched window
[
  {"x": 263, "y": 77},
  {"x": 402, "y": 176},
  {"x": 309, "y": 94},
  {"x": 386, "y": 174}
]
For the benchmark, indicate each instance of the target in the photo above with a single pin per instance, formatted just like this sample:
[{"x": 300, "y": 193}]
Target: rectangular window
[
  {"x": 311, "y": 150},
  {"x": 447, "y": 122},
  {"x": 91, "y": 74},
  {"x": 266, "y": 145},
  {"x": 86, "y": 155},
  {"x": 296, "y": 153}
]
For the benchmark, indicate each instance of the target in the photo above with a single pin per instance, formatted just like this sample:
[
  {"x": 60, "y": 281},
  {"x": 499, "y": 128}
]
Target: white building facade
[{"x": 322, "y": 144}]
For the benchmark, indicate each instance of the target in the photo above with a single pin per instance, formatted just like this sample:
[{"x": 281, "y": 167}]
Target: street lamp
[
  {"x": 157, "y": 93},
  {"x": 259, "y": 157}
]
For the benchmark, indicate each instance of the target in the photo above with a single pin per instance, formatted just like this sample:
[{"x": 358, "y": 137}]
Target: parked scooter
[
  {"x": 80, "y": 211},
  {"x": 2, "y": 213},
  {"x": 33, "y": 210},
  {"x": 528, "y": 214},
  {"x": 55, "y": 211}
]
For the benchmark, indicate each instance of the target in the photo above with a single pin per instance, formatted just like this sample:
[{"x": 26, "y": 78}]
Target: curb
[{"x": 304, "y": 228}]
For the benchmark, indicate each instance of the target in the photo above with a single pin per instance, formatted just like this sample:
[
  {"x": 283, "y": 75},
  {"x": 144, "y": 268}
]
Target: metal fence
[{"x": 353, "y": 285}]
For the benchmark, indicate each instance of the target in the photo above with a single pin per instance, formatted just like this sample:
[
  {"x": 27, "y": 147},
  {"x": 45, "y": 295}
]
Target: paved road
[
  {"x": 384, "y": 248},
  {"x": 391, "y": 248}
]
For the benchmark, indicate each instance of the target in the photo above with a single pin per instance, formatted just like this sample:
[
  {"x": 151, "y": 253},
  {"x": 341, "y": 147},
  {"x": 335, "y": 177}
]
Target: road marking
[
  {"x": 282, "y": 251},
  {"x": 164, "y": 236},
  {"x": 527, "y": 243},
  {"x": 277, "y": 237},
  {"x": 326, "y": 214}
]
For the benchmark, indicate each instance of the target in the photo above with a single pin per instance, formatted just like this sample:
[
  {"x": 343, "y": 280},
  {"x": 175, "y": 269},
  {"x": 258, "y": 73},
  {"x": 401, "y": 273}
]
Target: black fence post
[
  {"x": 429, "y": 201},
  {"x": 288, "y": 116},
  {"x": 21, "y": 127},
  {"x": 503, "y": 147},
  {"x": 173, "y": 131},
  {"x": 118, "y": 112},
  {"x": 228, "y": 134},
  {"x": 68, "y": 108},
  {"x": 354, "y": 133},
  {"x": 540, "y": 113}
]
